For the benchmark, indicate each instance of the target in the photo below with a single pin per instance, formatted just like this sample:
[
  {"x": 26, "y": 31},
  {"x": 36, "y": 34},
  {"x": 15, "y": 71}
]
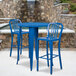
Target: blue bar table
[{"x": 33, "y": 34}]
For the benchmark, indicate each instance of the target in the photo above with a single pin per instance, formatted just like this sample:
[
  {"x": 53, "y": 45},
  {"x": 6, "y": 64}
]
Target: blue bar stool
[
  {"x": 52, "y": 36},
  {"x": 15, "y": 29}
]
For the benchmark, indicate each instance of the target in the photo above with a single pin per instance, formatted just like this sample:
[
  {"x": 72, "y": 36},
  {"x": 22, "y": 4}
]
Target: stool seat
[{"x": 48, "y": 39}]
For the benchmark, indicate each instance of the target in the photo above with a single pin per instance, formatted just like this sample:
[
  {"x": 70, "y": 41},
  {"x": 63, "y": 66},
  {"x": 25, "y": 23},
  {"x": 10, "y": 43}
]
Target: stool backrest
[
  {"x": 54, "y": 29},
  {"x": 14, "y": 25}
]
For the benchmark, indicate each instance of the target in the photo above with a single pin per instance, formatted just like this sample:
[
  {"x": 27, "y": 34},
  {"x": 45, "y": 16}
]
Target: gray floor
[{"x": 8, "y": 65}]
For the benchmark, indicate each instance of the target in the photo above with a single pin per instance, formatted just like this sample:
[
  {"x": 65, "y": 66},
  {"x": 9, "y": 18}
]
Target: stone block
[{"x": 2, "y": 37}]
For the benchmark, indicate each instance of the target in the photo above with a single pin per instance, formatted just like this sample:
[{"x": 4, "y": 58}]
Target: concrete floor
[{"x": 8, "y": 65}]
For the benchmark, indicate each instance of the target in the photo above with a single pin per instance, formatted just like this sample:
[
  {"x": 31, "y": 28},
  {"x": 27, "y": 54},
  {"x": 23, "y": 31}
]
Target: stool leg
[
  {"x": 11, "y": 45},
  {"x": 21, "y": 44},
  {"x": 47, "y": 53},
  {"x": 59, "y": 55},
  {"x": 18, "y": 44},
  {"x": 51, "y": 53},
  {"x": 37, "y": 55},
  {"x": 36, "y": 36}
]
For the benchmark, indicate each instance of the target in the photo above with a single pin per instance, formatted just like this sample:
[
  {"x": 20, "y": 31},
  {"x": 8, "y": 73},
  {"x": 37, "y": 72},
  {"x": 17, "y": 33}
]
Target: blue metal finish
[
  {"x": 33, "y": 27},
  {"x": 36, "y": 36},
  {"x": 11, "y": 44},
  {"x": 37, "y": 55},
  {"x": 52, "y": 35},
  {"x": 34, "y": 24},
  {"x": 21, "y": 44},
  {"x": 33, "y": 33},
  {"x": 18, "y": 44},
  {"x": 15, "y": 29},
  {"x": 59, "y": 55},
  {"x": 51, "y": 55},
  {"x": 31, "y": 42},
  {"x": 47, "y": 53},
  {"x": 54, "y": 56}
]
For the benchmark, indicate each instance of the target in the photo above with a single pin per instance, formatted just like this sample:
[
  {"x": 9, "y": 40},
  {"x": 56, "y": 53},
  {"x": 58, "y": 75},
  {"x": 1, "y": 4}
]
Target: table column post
[{"x": 31, "y": 45}]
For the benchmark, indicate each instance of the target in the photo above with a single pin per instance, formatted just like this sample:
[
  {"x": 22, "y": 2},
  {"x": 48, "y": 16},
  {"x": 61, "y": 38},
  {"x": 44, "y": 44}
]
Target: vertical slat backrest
[
  {"x": 14, "y": 25},
  {"x": 53, "y": 30}
]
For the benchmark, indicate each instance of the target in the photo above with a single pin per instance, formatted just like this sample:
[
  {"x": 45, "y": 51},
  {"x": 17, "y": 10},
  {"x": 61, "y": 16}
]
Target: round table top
[{"x": 34, "y": 24}]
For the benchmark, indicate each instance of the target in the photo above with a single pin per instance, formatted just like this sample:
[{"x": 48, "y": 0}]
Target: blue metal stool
[
  {"x": 52, "y": 35},
  {"x": 15, "y": 29}
]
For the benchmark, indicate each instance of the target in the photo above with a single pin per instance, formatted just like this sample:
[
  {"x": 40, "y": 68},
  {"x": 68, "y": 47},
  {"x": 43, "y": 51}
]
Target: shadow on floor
[
  {"x": 47, "y": 70},
  {"x": 26, "y": 63},
  {"x": 21, "y": 57},
  {"x": 42, "y": 66}
]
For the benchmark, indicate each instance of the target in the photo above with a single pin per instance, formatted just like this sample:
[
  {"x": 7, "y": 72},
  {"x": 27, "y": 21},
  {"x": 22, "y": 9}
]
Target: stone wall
[
  {"x": 8, "y": 8},
  {"x": 19, "y": 9},
  {"x": 67, "y": 41},
  {"x": 69, "y": 20},
  {"x": 43, "y": 11},
  {"x": 7, "y": 40}
]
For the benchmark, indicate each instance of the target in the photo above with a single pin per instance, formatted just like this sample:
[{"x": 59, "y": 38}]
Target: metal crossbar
[{"x": 54, "y": 56}]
